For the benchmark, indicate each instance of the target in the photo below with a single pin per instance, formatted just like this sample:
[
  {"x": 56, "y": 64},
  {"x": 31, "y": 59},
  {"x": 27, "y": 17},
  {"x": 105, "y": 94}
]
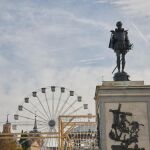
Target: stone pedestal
[
  {"x": 123, "y": 106},
  {"x": 121, "y": 76}
]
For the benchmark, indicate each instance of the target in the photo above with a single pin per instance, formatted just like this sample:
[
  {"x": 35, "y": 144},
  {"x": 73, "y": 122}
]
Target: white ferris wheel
[{"x": 44, "y": 106}]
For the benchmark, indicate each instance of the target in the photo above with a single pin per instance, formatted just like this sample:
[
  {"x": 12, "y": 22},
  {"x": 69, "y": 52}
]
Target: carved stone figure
[{"x": 124, "y": 131}]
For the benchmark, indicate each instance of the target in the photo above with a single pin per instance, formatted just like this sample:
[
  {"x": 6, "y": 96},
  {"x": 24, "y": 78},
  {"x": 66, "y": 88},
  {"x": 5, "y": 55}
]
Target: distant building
[
  {"x": 7, "y": 140},
  {"x": 37, "y": 142},
  {"x": 32, "y": 143}
]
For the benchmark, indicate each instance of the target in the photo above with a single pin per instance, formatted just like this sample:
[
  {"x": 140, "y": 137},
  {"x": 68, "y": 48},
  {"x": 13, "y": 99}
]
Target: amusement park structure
[
  {"x": 78, "y": 132},
  {"x": 53, "y": 118}
]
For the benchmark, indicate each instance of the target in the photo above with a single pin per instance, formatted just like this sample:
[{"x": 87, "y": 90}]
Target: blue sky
[{"x": 65, "y": 43}]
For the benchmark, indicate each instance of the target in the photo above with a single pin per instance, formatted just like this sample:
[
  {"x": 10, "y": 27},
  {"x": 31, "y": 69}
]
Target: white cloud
[
  {"x": 99, "y": 24},
  {"x": 134, "y": 7},
  {"x": 141, "y": 34}
]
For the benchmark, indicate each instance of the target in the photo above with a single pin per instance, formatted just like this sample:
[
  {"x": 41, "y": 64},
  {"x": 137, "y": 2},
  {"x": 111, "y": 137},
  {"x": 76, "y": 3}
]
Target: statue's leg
[
  {"x": 118, "y": 60},
  {"x": 123, "y": 62}
]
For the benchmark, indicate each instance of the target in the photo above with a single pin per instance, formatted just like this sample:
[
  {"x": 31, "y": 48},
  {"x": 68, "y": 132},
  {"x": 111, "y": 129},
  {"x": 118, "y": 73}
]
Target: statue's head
[{"x": 119, "y": 24}]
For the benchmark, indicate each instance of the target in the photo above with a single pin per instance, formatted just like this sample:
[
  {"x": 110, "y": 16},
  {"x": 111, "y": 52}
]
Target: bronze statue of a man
[{"x": 120, "y": 43}]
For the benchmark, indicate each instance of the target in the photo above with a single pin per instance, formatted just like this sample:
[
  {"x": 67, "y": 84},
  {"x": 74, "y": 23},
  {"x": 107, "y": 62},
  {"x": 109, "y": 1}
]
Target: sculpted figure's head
[{"x": 119, "y": 24}]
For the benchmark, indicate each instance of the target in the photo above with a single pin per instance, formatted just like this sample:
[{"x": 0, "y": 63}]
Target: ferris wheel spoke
[
  {"x": 26, "y": 117},
  {"x": 42, "y": 129},
  {"x": 75, "y": 110},
  {"x": 51, "y": 139},
  {"x": 42, "y": 106},
  {"x": 34, "y": 113},
  {"x": 68, "y": 108},
  {"x": 54, "y": 129},
  {"x": 70, "y": 120},
  {"x": 58, "y": 103},
  {"x": 30, "y": 118},
  {"x": 63, "y": 106},
  {"x": 50, "y": 143},
  {"x": 41, "y": 121},
  {"x": 38, "y": 110},
  {"x": 27, "y": 123},
  {"x": 47, "y": 105},
  {"x": 42, "y": 125},
  {"x": 56, "y": 141},
  {"x": 45, "y": 143},
  {"x": 53, "y": 105}
]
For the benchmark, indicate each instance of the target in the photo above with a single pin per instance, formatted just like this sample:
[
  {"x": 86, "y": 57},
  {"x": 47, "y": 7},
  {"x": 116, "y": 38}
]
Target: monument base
[
  {"x": 121, "y": 76},
  {"x": 123, "y": 115}
]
